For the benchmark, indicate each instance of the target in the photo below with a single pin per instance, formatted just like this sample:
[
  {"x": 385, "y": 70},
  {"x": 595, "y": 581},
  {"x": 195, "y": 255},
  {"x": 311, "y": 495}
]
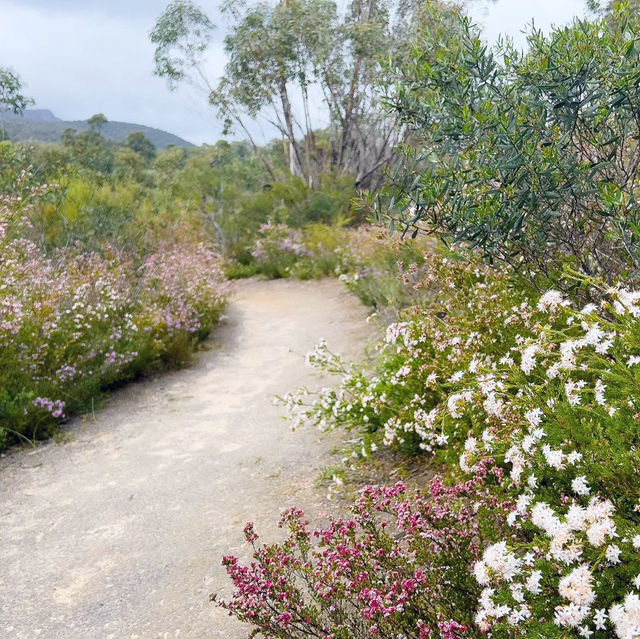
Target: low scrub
[
  {"x": 282, "y": 251},
  {"x": 382, "y": 270},
  {"x": 377, "y": 268},
  {"x": 75, "y": 322},
  {"x": 531, "y": 400}
]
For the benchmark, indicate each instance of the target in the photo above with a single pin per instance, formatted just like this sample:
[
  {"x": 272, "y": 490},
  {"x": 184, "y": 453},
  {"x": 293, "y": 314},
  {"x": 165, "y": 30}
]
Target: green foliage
[
  {"x": 140, "y": 144},
  {"x": 11, "y": 96},
  {"x": 46, "y": 163},
  {"x": 242, "y": 199},
  {"x": 90, "y": 150},
  {"x": 532, "y": 157},
  {"x": 608, "y": 7},
  {"x": 381, "y": 270},
  {"x": 181, "y": 35},
  {"x": 311, "y": 252}
]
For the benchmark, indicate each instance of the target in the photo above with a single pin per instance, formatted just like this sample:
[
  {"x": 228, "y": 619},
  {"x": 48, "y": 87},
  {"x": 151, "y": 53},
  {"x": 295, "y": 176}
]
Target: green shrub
[
  {"x": 382, "y": 270},
  {"x": 530, "y": 156},
  {"x": 311, "y": 252},
  {"x": 465, "y": 309}
]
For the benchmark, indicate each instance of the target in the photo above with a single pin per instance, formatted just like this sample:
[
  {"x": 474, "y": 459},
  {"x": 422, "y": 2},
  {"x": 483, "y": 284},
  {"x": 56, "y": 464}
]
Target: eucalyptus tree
[
  {"x": 308, "y": 69},
  {"x": 96, "y": 122},
  {"x": 140, "y": 144},
  {"x": 12, "y": 98}
]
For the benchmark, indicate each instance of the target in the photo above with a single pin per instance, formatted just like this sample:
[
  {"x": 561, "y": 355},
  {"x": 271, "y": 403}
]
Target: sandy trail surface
[{"x": 118, "y": 532}]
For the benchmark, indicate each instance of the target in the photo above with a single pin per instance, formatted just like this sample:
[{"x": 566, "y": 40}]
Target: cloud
[
  {"x": 510, "y": 17},
  {"x": 124, "y": 8}
]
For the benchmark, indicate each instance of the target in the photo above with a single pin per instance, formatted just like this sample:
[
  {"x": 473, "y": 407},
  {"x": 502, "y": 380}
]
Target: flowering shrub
[
  {"x": 561, "y": 410},
  {"x": 182, "y": 295},
  {"x": 279, "y": 248},
  {"x": 397, "y": 568},
  {"x": 382, "y": 270},
  {"x": 73, "y": 322},
  {"x": 526, "y": 157},
  {"x": 282, "y": 251},
  {"x": 377, "y": 268},
  {"x": 469, "y": 310},
  {"x": 546, "y": 390}
]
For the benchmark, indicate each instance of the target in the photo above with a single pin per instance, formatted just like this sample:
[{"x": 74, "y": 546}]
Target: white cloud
[{"x": 510, "y": 17}]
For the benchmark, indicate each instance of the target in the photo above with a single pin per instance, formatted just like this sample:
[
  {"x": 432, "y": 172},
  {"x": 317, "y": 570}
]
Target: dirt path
[{"x": 118, "y": 532}]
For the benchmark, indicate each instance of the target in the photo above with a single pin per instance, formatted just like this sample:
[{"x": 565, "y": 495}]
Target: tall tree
[
  {"x": 138, "y": 142},
  {"x": 307, "y": 69},
  {"x": 11, "y": 96},
  {"x": 96, "y": 122},
  {"x": 181, "y": 36}
]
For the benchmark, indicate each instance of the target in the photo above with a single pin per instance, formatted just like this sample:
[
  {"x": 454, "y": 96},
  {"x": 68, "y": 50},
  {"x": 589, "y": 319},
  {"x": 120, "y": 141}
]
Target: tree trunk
[{"x": 295, "y": 163}]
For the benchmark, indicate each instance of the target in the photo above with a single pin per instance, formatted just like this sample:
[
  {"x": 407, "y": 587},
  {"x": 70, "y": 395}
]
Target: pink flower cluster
[
  {"x": 73, "y": 322},
  {"x": 55, "y": 408},
  {"x": 278, "y": 239},
  {"x": 398, "y": 568}
]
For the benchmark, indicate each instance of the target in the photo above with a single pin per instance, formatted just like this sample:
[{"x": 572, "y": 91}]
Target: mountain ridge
[{"x": 42, "y": 125}]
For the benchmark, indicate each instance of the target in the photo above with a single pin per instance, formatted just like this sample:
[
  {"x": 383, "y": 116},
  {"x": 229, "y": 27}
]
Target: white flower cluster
[
  {"x": 566, "y": 542},
  {"x": 625, "y": 617},
  {"x": 398, "y": 332},
  {"x": 576, "y": 539}
]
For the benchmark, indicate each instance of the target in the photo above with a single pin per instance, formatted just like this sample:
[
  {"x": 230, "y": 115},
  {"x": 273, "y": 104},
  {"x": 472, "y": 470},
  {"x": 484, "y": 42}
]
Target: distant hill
[
  {"x": 42, "y": 115},
  {"x": 43, "y": 125}
]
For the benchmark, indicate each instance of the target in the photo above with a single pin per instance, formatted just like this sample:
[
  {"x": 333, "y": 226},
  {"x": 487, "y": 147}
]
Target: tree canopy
[
  {"x": 96, "y": 122},
  {"x": 11, "y": 92},
  {"x": 304, "y": 68},
  {"x": 138, "y": 142},
  {"x": 531, "y": 157}
]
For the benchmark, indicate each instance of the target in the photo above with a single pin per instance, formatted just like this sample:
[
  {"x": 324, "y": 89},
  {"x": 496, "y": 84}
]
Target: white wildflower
[
  {"x": 580, "y": 486},
  {"x": 600, "y": 387},
  {"x": 612, "y": 553},
  {"x": 550, "y": 301},
  {"x": 626, "y": 617},
  {"x": 577, "y": 586},
  {"x": 534, "y": 416},
  {"x": 532, "y": 584},
  {"x": 528, "y": 361}
]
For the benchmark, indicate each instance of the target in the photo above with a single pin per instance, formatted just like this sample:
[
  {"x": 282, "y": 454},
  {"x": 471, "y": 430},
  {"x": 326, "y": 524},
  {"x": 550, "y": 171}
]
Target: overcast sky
[{"x": 80, "y": 57}]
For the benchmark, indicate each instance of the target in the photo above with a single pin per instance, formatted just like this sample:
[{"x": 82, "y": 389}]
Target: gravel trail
[{"x": 118, "y": 531}]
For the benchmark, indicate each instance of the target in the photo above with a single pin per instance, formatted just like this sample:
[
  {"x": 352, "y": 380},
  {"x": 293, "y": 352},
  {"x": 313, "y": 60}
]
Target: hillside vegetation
[
  {"x": 28, "y": 128},
  {"x": 483, "y": 201}
]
